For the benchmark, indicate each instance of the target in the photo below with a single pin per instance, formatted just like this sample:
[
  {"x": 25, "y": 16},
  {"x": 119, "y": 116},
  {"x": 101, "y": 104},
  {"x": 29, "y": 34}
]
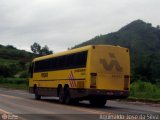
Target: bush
[
  {"x": 141, "y": 89},
  {"x": 14, "y": 80},
  {"x": 5, "y": 71},
  {"x": 24, "y": 74},
  {"x": 145, "y": 86},
  {"x": 1, "y": 79}
]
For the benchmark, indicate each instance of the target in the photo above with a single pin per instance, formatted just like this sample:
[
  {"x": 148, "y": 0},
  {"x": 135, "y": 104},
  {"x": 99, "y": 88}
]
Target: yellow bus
[{"x": 96, "y": 73}]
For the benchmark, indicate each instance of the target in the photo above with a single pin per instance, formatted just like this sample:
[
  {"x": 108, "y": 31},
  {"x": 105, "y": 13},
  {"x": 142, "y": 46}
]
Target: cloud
[{"x": 63, "y": 23}]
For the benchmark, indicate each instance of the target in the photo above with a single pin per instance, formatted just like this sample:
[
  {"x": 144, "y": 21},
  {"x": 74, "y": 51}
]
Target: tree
[
  {"x": 36, "y": 48},
  {"x": 45, "y": 51},
  {"x": 40, "y": 51}
]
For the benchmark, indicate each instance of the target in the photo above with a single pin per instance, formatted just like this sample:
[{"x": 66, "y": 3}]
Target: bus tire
[
  {"x": 37, "y": 96},
  {"x": 61, "y": 96},
  {"x": 67, "y": 96},
  {"x": 74, "y": 101},
  {"x": 98, "y": 102}
]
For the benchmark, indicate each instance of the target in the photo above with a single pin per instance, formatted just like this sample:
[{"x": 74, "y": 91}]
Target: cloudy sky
[{"x": 61, "y": 24}]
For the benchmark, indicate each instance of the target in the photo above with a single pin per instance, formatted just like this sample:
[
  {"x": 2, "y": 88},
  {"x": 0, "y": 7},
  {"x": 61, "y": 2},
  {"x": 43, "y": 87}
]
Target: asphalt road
[{"x": 18, "y": 104}]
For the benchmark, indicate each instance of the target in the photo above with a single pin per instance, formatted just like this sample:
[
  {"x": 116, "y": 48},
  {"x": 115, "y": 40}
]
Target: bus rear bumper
[{"x": 107, "y": 94}]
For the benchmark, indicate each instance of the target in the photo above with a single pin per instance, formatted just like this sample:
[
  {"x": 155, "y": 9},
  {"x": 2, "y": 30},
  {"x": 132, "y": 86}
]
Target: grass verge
[
  {"x": 14, "y": 86},
  {"x": 145, "y": 92},
  {"x": 15, "y": 83}
]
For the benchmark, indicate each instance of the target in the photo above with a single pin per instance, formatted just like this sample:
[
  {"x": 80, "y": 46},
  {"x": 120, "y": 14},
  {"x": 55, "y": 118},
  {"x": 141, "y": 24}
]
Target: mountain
[
  {"x": 10, "y": 52},
  {"x": 13, "y": 61},
  {"x": 143, "y": 40},
  {"x": 139, "y": 36}
]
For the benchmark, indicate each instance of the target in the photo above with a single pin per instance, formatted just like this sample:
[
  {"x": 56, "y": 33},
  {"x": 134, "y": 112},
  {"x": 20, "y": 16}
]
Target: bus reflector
[
  {"x": 80, "y": 84},
  {"x": 93, "y": 80}
]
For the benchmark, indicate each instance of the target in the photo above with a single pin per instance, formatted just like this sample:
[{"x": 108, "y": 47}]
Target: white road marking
[{"x": 4, "y": 112}]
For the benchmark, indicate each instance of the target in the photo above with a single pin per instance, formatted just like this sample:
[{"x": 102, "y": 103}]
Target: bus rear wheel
[
  {"x": 64, "y": 96},
  {"x": 98, "y": 102},
  {"x": 67, "y": 97}
]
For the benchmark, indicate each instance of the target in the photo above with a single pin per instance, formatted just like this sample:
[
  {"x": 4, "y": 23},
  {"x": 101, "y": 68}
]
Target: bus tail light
[
  {"x": 93, "y": 80},
  {"x": 126, "y": 82}
]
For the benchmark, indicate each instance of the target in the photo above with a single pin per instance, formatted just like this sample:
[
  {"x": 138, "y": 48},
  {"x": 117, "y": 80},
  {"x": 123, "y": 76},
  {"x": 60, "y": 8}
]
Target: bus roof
[{"x": 75, "y": 50}]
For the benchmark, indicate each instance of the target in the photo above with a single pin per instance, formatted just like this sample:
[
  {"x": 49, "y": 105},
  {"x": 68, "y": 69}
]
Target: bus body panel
[
  {"x": 112, "y": 67},
  {"x": 51, "y": 79}
]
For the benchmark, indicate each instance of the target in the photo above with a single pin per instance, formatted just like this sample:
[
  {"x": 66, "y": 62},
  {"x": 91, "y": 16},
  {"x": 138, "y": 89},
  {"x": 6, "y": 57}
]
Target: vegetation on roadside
[
  {"x": 145, "y": 91},
  {"x": 17, "y": 83},
  {"x": 14, "y": 86},
  {"x": 15, "y": 63}
]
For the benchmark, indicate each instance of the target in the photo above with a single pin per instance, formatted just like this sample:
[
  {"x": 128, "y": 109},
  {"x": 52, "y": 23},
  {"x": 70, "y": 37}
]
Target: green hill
[
  {"x": 143, "y": 40},
  {"x": 13, "y": 61},
  {"x": 10, "y": 52},
  {"x": 139, "y": 36}
]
